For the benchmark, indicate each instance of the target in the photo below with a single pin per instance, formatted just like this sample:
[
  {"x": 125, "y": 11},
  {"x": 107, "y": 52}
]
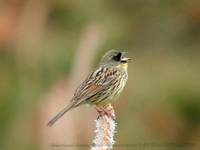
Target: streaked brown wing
[{"x": 95, "y": 83}]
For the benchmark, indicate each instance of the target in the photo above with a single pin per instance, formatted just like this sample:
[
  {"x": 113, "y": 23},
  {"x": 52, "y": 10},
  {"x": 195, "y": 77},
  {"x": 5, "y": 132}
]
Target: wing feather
[{"x": 96, "y": 84}]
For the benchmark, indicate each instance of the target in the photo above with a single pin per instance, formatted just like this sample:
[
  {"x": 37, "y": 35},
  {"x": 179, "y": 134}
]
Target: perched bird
[{"x": 102, "y": 86}]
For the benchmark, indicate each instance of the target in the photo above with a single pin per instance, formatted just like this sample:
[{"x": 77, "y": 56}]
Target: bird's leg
[
  {"x": 100, "y": 111},
  {"x": 105, "y": 110},
  {"x": 109, "y": 112}
]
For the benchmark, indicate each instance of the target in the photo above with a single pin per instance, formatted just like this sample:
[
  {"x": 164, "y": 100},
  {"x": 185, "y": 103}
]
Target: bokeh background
[{"x": 47, "y": 48}]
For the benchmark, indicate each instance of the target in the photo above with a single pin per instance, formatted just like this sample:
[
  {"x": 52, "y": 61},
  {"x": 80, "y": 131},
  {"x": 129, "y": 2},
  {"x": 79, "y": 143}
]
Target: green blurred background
[{"x": 47, "y": 48}]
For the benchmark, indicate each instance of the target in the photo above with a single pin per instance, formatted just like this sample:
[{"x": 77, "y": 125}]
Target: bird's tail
[{"x": 60, "y": 114}]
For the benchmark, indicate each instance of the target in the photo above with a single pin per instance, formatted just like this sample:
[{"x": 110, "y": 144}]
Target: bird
[{"x": 102, "y": 86}]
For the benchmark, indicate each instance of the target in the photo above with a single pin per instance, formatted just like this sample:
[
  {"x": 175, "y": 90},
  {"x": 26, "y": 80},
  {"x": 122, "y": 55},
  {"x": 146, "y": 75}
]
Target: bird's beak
[
  {"x": 129, "y": 58},
  {"x": 126, "y": 59}
]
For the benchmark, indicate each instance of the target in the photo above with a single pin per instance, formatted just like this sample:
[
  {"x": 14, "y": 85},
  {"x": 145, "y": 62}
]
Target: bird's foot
[{"x": 108, "y": 111}]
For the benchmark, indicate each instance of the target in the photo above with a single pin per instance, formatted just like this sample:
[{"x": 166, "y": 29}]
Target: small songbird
[{"x": 102, "y": 86}]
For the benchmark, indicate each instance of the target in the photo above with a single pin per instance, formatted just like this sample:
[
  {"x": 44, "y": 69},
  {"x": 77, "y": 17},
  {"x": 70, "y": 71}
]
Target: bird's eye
[{"x": 117, "y": 57}]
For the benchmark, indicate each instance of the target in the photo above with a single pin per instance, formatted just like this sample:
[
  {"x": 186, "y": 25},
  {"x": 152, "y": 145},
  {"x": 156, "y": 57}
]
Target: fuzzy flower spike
[{"x": 105, "y": 130}]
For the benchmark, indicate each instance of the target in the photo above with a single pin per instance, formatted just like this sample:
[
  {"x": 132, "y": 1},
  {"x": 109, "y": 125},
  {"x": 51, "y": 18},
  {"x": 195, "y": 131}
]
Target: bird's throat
[{"x": 123, "y": 66}]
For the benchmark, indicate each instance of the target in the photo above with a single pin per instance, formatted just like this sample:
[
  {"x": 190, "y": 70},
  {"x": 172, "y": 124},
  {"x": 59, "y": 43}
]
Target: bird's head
[{"x": 115, "y": 58}]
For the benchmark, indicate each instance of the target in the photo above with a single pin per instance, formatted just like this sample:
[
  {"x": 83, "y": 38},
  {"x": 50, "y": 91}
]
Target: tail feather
[{"x": 59, "y": 115}]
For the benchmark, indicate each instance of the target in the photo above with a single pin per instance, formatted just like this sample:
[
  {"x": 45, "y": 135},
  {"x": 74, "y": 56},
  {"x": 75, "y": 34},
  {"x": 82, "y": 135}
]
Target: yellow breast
[{"x": 123, "y": 66}]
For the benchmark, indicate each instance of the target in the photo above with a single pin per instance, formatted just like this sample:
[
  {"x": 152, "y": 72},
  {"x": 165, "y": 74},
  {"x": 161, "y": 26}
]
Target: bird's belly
[
  {"x": 119, "y": 90},
  {"x": 114, "y": 93}
]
